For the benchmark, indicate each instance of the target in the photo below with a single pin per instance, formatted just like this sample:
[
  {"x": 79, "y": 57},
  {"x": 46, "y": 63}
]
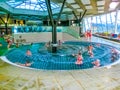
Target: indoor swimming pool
[{"x": 42, "y": 58}]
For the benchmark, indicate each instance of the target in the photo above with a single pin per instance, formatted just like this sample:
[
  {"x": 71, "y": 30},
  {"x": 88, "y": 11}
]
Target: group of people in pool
[
  {"x": 79, "y": 57},
  {"x": 48, "y": 44},
  {"x": 96, "y": 63}
]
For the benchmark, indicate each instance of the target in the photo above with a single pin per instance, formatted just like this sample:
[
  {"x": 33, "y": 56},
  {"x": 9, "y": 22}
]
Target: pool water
[{"x": 42, "y": 58}]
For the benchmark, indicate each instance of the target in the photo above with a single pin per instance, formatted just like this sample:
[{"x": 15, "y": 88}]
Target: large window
[
  {"x": 31, "y": 4},
  {"x": 103, "y": 23}
]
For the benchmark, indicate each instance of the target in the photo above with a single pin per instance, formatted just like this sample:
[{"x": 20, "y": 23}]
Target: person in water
[
  {"x": 79, "y": 59},
  {"x": 28, "y": 52},
  {"x": 114, "y": 54},
  {"x": 27, "y": 63},
  {"x": 96, "y": 63},
  {"x": 9, "y": 41},
  {"x": 90, "y": 50},
  {"x": 59, "y": 42}
]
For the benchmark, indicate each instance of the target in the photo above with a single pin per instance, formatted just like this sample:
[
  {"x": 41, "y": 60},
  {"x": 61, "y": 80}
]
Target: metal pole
[
  {"x": 60, "y": 12},
  {"x": 54, "y": 49}
]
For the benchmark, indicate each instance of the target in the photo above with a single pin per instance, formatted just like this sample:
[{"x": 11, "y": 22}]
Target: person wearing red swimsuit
[{"x": 79, "y": 59}]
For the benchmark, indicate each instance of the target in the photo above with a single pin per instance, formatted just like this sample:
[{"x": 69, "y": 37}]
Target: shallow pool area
[{"x": 42, "y": 58}]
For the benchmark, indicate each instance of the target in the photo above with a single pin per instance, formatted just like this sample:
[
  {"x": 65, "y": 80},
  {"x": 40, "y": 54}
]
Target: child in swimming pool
[
  {"x": 79, "y": 59},
  {"x": 28, "y": 52}
]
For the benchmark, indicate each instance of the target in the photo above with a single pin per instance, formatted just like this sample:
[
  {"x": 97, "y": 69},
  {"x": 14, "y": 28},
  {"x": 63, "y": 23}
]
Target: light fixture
[
  {"x": 113, "y": 5},
  {"x": 72, "y": 21},
  {"x": 59, "y": 22}
]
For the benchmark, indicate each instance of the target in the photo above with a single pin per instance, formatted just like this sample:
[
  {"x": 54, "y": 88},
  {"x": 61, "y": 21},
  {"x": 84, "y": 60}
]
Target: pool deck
[{"x": 104, "y": 78}]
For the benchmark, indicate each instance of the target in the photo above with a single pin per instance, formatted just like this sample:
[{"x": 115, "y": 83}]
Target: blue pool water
[{"x": 42, "y": 57}]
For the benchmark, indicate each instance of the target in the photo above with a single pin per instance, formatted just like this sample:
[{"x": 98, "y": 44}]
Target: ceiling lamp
[{"x": 113, "y": 5}]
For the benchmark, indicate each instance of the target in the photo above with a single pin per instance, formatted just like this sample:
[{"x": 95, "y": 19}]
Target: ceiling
[{"x": 93, "y": 7}]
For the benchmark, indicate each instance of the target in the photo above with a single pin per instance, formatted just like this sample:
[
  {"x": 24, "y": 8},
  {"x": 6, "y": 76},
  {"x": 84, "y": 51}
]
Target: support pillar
[
  {"x": 5, "y": 22},
  {"x": 54, "y": 25},
  {"x": 6, "y": 28}
]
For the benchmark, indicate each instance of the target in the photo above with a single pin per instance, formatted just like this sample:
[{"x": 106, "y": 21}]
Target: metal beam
[
  {"x": 6, "y": 28},
  {"x": 75, "y": 15},
  {"x": 2, "y": 20},
  {"x": 54, "y": 41},
  {"x": 106, "y": 6},
  {"x": 80, "y": 15},
  {"x": 8, "y": 16},
  {"x": 60, "y": 12},
  {"x": 94, "y": 5},
  {"x": 83, "y": 15},
  {"x": 49, "y": 11},
  {"x": 69, "y": 6},
  {"x": 80, "y": 4}
]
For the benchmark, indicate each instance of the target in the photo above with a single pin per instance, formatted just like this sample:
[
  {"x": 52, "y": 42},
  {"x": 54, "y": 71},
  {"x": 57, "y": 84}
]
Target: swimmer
[
  {"x": 96, "y": 63},
  {"x": 28, "y": 53},
  {"x": 17, "y": 45},
  {"x": 27, "y": 63},
  {"x": 114, "y": 54},
  {"x": 91, "y": 54},
  {"x": 59, "y": 42},
  {"x": 9, "y": 43},
  {"x": 114, "y": 51},
  {"x": 98, "y": 45},
  {"x": 90, "y": 50},
  {"x": 48, "y": 44},
  {"x": 79, "y": 59}
]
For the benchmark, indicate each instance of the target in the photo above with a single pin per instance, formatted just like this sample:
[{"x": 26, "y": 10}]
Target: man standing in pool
[{"x": 90, "y": 50}]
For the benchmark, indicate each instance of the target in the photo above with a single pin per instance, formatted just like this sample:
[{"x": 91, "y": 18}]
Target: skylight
[{"x": 31, "y": 4}]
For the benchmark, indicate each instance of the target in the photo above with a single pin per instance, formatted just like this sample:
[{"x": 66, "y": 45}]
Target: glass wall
[{"x": 109, "y": 22}]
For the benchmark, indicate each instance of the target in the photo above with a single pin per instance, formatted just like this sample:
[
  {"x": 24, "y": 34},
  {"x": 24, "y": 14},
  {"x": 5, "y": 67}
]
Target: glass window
[
  {"x": 31, "y": 4},
  {"x": 103, "y": 23}
]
